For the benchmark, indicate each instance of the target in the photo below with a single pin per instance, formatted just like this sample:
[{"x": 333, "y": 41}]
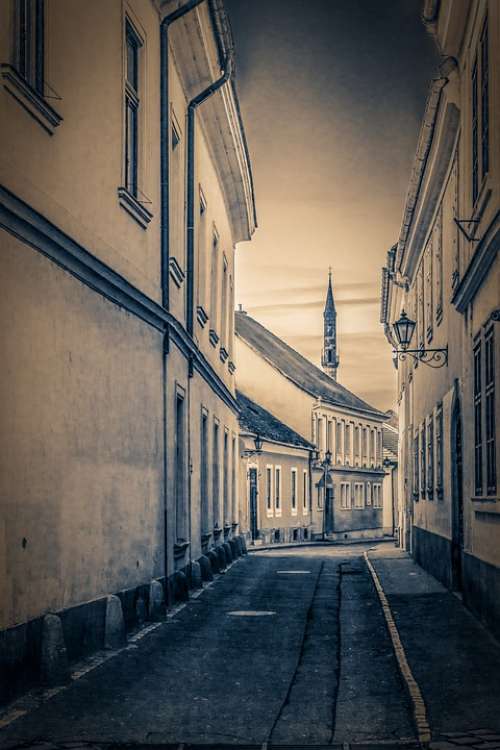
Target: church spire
[{"x": 329, "y": 357}]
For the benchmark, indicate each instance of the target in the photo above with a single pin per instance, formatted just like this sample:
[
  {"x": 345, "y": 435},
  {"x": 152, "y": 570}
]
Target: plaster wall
[
  {"x": 81, "y": 441},
  {"x": 268, "y": 387},
  {"x": 72, "y": 176}
]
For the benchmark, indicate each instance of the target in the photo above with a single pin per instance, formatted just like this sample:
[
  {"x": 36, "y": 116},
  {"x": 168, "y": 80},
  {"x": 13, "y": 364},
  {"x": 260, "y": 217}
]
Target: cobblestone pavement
[{"x": 290, "y": 648}]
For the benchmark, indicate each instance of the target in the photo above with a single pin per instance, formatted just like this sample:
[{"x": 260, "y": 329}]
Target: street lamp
[
  {"x": 404, "y": 329},
  {"x": 258, "y": 442}
]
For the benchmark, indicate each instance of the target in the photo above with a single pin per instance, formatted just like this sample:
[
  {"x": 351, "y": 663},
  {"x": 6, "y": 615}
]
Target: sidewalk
[{"x": 454, "y": 659}]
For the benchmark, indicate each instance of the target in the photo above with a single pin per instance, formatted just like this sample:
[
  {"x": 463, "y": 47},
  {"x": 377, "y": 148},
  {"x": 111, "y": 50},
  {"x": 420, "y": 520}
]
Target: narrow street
[{"x": 289, "y": 647}]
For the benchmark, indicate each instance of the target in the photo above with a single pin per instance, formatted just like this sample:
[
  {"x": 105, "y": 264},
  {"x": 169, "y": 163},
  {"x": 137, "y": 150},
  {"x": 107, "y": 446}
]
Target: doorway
[
  {"x": 329, "y": 498},
  {"x": 254, "y": 530},
  {"x": 457, "y": 504}
]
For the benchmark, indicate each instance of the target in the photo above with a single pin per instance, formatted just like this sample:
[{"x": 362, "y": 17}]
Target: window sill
[
  {"x": 201, "y": 316},
  {"x": 34, "y": 104},
  {"x": 213, "y": 337},
  {"x": 132, "y": 206},
  {"x": 176, "y": 272},
  {"x": 486, "y": 506}
]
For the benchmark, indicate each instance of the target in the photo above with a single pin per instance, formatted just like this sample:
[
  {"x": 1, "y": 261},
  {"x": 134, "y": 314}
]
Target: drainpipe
[
  {"x": 192, "y": 107},
  {"x": 164, "y": 229},
  {"x": 164, "y": 139}
]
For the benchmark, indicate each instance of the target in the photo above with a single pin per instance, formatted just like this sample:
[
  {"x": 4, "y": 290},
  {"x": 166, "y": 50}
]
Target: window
[
  {"x": 202, "y": 250},
  {"x": 437, "y": 246},
  {"x": 319, "y": 435},
  {"x": 347, "y": 447},
  {"x": 132, "y": 104},
  {"x": 365, "y": 445},
  {"x": 277, "y": 490},
  {"x": 234, "y": 491},
  {"x": 478, "y": 424},
  {"x": 485, "y": 117},
  {"x": 204, "y": 472},
  {"x": 357, "y": 444},
  {"x": 368, "y": 493},
  {"x": 224, "y": 310},
  {"x": 293, "y": 491},
  {"x": 430, "y": 458},
  {"x": 416, "y": 465},
  {"x": 420, "y": 307},
  {"x": 225, "y": 479},
  {"x": 475, "y": 134},
  {"x": 176, "y": 196},
  {"x": 338, "y": 438},
  {"x": 180, "y": 510},
  {"x": 215, "y": 477},
  {"x": 305, "y": 504},
  {"x": 489, "y": 399},
  {"x": 422, "y": 460},
  {"x": 214, "y": 281},
  {"x": 269, "y": 490},
  {"x": 30, "y": 42},
  {"x": 439, "y": 452},
  {"x": 428, "y": 289},
  {"x": 329, "y": 436},
  {"x": 372, "y": 447},
  {"x": 359, "y": 495},
  {"x": 377, "y": 495},
  {"x": 480, "y": 113},
  {"x": 345, "y": 495},
  {"x": 380, "y": 448}
]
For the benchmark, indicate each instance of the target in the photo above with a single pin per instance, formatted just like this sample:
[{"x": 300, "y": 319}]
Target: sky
[{"x": 332, "y": 94}]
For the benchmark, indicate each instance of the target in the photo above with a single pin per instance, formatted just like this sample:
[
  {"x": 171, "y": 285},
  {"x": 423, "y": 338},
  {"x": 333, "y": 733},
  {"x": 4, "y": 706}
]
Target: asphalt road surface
[{"x": 289, "y": 647}]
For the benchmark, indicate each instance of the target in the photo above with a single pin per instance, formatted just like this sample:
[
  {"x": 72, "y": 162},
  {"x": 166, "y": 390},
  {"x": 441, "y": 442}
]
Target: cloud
[{"x": 316, "y": 304}]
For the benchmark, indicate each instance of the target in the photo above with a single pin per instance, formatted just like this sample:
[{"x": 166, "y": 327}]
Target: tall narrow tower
[{"x": 329, "y": 357}]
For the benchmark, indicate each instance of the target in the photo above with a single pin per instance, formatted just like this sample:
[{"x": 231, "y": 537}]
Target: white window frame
[
  {"x": 305, "y": 492},
  {"x": 377, "y": 495},
  {"x": 294, "y": 507},
  {"x": 278, "y": 491},
  {"x": 269, "y": 506},
  {"x": 346, "y": 487},
  {"x": 359, "y": 492},
  {"x": 368, "y": 494}
]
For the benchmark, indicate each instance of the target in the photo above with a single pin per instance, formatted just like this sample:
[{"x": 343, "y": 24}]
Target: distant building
[
  {"x": 349, "y": 504},
  {"x": 329, "y": 356},
  {"x": 444, "y": 272},
  {"x": 125, "y": 185},
  {"x": 275, "y": 482}
]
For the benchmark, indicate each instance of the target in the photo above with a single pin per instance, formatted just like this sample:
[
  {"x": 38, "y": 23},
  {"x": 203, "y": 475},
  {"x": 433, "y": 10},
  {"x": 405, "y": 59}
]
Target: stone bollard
[
  {"x": 195, "y": 575},
  {"x": 213, "y": 558},
  {"x": 156, "y": 609},
  {"x": 234, "y": 548},
  {"x": 54, "y": 667},
  {"x": 221, "y": 557},
  {"x": 239, "y": 545},
  {"x": 243, "y": 544},
  {"x": 181, "y": 588},
  {"x": 140, "y": 610},
  {"x": 228, "y": 551},
  {"x": 206, "y": 568},
  {"x": 114, "y": 627}
]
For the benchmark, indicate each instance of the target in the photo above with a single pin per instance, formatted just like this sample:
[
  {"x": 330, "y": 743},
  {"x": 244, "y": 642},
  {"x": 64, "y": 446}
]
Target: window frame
[
  {"x": 293, "y": 491},
  {"x": 269, "y": 489},
  {"x": 278, "y": 491},
  {"x": 132, "y": 107},
  {"x": 305, "y": 492}
]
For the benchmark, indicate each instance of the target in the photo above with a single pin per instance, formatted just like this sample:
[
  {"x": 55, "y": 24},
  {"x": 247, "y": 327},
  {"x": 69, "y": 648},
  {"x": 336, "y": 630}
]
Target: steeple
[{"x": 329, "y": 357}]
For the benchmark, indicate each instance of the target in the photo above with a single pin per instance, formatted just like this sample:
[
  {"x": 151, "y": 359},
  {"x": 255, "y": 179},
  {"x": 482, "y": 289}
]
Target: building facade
[
  {"x": 275, "y": 478},
  {"x": 445, "y": 273},
  {"x": 347, "y": 495},
  {"x": 125, "y": 185}
]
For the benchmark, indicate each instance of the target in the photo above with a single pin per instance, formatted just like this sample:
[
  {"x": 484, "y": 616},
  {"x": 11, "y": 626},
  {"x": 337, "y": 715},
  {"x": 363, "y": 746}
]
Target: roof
[
  {"x": 258, "y": 420},
  {"x": 390, "y": 441},
  {"x": 297, "y": 368}
]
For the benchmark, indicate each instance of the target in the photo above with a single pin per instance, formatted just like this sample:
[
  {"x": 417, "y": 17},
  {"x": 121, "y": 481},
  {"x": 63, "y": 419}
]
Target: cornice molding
[
  {"x": 28, "y": 225},
  {"x": 479, "y": 266}
]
